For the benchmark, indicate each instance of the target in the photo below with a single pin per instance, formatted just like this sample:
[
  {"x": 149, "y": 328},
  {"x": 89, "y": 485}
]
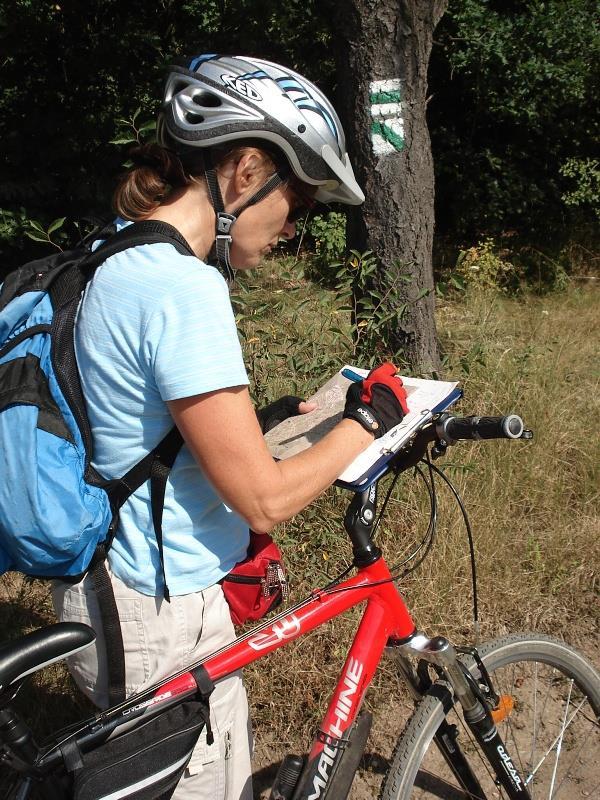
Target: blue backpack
[{"x": 58, "y": 516}]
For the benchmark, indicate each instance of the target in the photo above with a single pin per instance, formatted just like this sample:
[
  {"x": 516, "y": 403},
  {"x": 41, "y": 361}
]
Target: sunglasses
[{"x": 306, "y": 203}]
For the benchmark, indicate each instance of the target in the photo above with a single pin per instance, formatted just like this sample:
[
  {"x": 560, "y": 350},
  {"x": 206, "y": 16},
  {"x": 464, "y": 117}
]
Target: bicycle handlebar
[
  {"x": 446, "y": 430},
  {"x": 452, "y": 429}
]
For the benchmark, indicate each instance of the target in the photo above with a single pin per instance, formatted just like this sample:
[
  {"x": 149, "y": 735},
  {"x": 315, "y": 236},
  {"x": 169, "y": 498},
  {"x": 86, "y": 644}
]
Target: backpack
[{"x": 58, "y": 515}]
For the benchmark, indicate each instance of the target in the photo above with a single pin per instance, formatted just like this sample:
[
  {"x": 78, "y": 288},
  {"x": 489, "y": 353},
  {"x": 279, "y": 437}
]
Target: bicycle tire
[{"x": 418, "y": 771}]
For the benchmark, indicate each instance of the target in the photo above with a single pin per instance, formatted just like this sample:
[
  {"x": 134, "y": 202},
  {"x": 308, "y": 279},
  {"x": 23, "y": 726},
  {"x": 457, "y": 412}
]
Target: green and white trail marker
[{"x": 387, "y": 125}]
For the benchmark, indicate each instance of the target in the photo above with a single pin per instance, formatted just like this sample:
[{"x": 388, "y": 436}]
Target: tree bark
[{"x": 383, "y": 57}]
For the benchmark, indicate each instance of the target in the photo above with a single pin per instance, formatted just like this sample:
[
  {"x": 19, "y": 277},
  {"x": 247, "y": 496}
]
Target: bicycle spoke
[
  {"x": 553, "y": 745},
  {"x": 573, "y": 761},
  {"x": 560, "y": 741}
]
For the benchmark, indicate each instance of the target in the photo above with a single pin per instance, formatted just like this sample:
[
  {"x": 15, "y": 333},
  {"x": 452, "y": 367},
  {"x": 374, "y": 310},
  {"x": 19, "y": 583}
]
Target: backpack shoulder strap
[
  {"x": 155, "y": 466},
  {"x": 150, "y": 231},
  {"x": 66, "y": 294},
  {"x": 69, "y": 284}
]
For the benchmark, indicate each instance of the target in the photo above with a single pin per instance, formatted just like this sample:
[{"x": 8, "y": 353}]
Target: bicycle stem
[{"x": 359, "y": 522}]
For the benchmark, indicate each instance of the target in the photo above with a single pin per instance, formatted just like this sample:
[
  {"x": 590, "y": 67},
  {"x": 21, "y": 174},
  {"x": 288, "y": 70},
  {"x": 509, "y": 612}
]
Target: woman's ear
[
  {"x": 240, "y": 178},
  {"x": 249, "y": 172}
]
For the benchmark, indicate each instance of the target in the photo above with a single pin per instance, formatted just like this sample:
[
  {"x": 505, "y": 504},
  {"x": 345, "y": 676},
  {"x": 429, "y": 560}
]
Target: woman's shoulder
[{"x": 160, "y": 267}]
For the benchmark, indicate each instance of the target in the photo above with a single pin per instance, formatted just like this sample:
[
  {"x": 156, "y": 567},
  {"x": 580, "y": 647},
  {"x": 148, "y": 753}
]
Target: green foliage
[
  {"x": 134, "y": 130},
  {"x": 585, "y": 173},
  {"x": 512, "y": 117},
  {"x": 38, "y": 233},
  {"x": 12, "y": 224},
  {"x": 483, "y": 268},
  {"x": 74, "y": 80},
  {"x": 513, "y": 87},
  {"x": 290, "y": 358},
  {"x": 328, "y": 232},
  {"x": 371, "y": 322},
  {"x": 347, "y": 323},
  {"x": 16, "y": 228}
]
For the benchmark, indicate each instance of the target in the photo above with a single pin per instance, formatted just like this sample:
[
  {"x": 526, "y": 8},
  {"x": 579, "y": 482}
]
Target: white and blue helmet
[{"x": 215, "y": 99}]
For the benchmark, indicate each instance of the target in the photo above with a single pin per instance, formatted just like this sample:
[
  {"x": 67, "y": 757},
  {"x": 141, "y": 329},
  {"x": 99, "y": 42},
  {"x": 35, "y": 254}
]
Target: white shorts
[{"x": 159, "y": 639}]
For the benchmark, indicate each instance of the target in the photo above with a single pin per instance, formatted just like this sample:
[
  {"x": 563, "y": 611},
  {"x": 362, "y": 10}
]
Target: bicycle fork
[{"x": 439, "y": 652}]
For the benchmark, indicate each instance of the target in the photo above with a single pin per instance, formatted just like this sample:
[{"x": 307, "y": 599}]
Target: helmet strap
[{"x": 224, "y": 220}]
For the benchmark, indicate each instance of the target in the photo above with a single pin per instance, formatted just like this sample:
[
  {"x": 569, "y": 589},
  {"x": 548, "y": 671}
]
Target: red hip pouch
[{"x": 256, "y": 585}]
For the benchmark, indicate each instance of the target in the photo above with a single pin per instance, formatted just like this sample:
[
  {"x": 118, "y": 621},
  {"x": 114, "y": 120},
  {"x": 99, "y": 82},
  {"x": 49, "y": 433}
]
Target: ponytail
[{"x": 155, "y": 173}]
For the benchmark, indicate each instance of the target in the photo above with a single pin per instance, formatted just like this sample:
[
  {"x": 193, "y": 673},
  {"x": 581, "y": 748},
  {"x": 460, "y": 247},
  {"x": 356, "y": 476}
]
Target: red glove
[
  {"x": 385, "y": 374},
  {"x": 378, "y": 402}
]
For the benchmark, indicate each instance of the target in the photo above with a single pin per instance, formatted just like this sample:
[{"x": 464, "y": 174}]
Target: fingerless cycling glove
[
  {"x": 274, "y": 413},
  {"x": 378, "y": 402}
]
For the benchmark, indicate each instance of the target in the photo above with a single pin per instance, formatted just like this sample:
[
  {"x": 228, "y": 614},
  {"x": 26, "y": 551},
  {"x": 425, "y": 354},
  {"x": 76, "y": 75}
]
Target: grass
[{"x": 532, "y": 505}]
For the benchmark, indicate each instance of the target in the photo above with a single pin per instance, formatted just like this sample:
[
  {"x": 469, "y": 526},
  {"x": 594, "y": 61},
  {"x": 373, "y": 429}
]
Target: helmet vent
[
  {"x": 194, "y": 119},
  {"x": 179, "y": 86},
  {"x": 206, "y": 100}
]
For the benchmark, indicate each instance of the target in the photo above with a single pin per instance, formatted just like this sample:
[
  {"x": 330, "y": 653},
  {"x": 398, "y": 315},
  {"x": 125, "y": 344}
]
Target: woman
[{"x": 244, "y": 148}]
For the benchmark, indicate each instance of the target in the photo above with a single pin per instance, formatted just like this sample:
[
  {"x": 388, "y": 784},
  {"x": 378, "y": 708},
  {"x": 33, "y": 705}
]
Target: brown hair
[{"x": 157, "y": 171}]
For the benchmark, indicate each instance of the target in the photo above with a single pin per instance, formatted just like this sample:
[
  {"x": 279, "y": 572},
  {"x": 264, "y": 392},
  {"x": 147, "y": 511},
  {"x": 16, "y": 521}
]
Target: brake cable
[
  {"x": 465, "y": 516},
  {"x": 428, "y": 539},
  {"x": 426, "y": 542}
]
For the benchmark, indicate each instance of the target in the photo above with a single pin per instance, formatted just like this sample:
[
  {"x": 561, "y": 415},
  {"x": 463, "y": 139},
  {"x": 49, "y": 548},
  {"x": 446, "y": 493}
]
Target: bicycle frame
[
  {"x": 386, "y": 621},
  {"x": 385, "y": 617}
]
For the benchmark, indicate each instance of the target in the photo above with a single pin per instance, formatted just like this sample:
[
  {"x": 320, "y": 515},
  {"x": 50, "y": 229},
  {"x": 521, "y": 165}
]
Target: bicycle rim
[{"x": 550, "y": 728}]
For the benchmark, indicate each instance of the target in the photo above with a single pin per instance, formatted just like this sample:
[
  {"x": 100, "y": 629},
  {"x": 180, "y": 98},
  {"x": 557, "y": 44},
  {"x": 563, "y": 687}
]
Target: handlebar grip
[{"x": 509, "y": 427}]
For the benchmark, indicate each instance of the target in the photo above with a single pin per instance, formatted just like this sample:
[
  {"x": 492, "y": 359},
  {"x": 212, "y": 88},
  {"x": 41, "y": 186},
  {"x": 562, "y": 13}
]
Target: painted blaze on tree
[
  {"x": 382, "y": 61},
  {"x": 387, "y": 127}
]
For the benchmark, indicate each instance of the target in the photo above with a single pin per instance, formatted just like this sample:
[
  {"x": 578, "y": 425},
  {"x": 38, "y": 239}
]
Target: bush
[
  {"x": 585, "y": 172},
  {"x": 484, "y": 268},
  {"x": 328, "y": 234}
]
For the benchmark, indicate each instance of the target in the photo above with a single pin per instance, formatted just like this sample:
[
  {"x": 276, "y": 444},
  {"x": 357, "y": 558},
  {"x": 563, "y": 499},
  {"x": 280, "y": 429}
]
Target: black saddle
[{"x": 23, "y": 656}]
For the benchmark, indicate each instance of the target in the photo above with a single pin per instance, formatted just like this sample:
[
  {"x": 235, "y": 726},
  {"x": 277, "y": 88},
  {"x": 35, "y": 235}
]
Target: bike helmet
[{"x": 212, "y": 100}]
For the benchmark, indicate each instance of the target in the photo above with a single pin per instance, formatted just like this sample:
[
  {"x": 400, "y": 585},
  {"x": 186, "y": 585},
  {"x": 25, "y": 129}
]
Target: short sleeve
[{"x": 190, "y": 341}]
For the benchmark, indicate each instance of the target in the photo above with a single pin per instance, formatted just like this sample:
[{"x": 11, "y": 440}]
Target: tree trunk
[{"x": 382, "y": 77}]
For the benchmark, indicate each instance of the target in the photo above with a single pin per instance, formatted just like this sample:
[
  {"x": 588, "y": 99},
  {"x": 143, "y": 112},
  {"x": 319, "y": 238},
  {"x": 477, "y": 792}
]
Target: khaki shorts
[{"x": 161, "y": 638}]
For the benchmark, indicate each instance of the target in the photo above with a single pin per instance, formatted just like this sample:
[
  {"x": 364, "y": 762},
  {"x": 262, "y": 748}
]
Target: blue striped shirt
[{"x": 155, "y": 325}]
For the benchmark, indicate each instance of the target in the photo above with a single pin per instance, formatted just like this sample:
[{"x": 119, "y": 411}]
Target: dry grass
[{"x": 533, "y": 508}]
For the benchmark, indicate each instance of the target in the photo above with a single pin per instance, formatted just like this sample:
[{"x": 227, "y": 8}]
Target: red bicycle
[{"x": 515, "y": 718}]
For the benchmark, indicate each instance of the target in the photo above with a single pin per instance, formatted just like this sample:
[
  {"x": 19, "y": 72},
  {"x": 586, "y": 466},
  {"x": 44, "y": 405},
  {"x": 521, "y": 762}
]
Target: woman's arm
[{"x": 222, "y": 431}]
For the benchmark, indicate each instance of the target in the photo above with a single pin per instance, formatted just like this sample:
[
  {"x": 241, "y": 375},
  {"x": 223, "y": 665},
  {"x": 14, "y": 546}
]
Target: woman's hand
[
  {"x": 379, "y": 401},
  {"x": 285, "y": 407}
]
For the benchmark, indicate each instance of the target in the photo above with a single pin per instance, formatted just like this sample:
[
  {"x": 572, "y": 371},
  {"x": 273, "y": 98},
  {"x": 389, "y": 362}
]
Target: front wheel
[{"x": 550, "y": 728}]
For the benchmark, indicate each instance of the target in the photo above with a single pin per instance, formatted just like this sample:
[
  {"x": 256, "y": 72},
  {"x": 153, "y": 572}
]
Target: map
[{"x": 296, "y": 434}]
